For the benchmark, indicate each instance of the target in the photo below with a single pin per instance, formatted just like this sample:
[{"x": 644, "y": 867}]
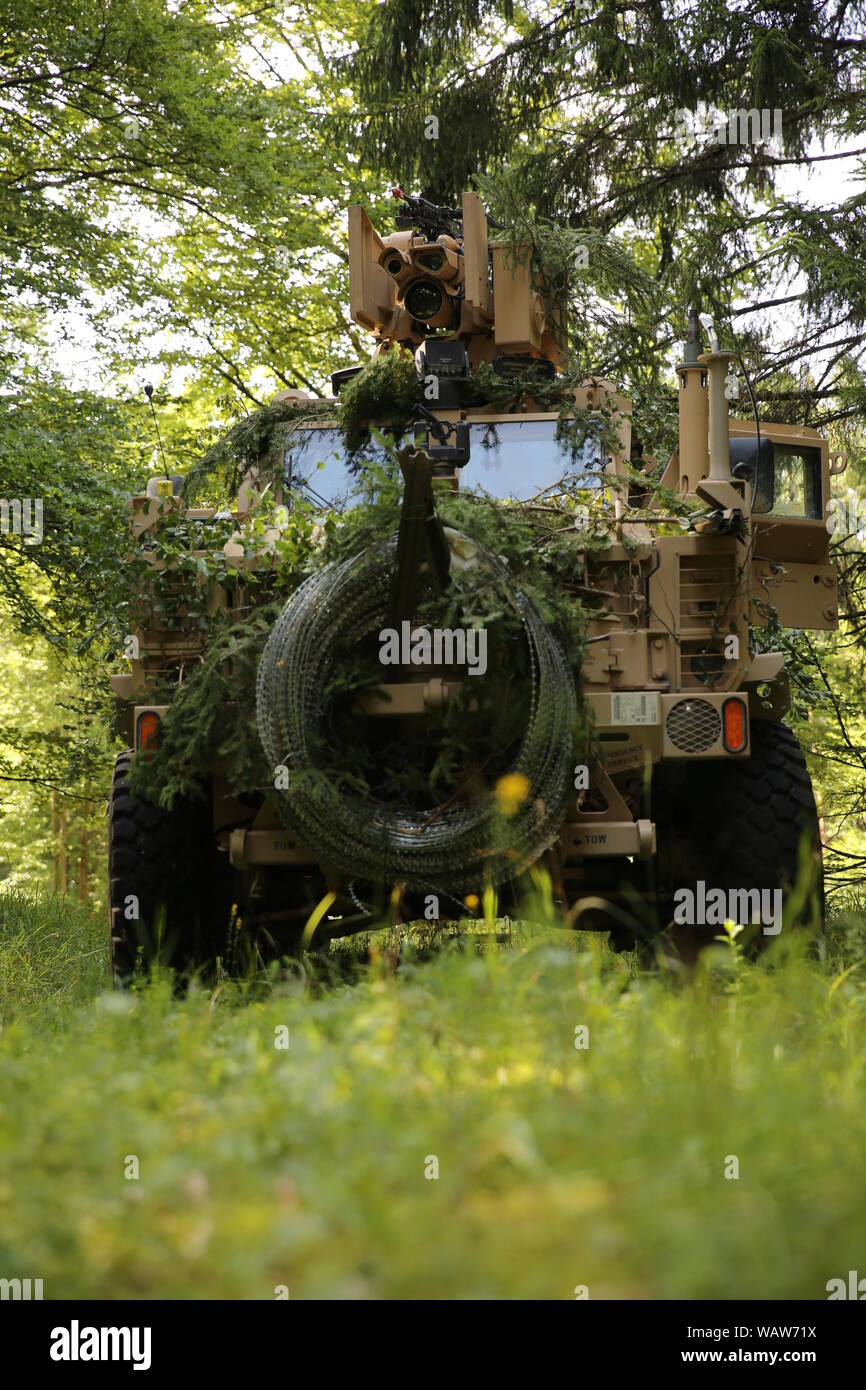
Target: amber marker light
[
  {"x": 734, "y": 725},
  {"x": 147, "y": 733}
]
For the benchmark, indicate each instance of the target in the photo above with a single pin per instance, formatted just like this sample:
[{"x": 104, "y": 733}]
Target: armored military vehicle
[{"x": 690, "y": 783}]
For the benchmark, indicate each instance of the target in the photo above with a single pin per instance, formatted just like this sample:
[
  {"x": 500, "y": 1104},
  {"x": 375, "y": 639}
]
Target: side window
[{"x": 797, "y": 482}]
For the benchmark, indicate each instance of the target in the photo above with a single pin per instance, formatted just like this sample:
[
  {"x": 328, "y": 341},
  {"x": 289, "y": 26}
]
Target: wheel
[
  {"x": 745, "y": 825},
  {"x": 162, "y": 876}
]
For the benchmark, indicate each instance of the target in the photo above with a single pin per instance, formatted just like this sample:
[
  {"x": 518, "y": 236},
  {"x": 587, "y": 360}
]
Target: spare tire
[{"x": 454, "y": 847}]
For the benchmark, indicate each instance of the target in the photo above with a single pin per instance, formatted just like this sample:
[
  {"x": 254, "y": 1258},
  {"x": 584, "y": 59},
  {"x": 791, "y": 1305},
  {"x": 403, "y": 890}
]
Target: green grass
[{"x": 558, "y": 1167}]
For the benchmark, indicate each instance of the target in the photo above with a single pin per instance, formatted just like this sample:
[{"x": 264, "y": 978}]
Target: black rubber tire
[
  {"x": 166, "y": 861},
  {"x": 742, "y": 823}
]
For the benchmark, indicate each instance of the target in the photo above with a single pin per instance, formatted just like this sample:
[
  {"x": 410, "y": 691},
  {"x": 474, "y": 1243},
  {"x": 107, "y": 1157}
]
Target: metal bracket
[
  {"x": 443, "y": 430},
  {"x": 838, "y": 463}
]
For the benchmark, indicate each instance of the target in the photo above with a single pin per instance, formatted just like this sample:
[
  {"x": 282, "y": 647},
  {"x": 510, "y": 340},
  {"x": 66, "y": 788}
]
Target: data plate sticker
[{"x": 631, "y": 708}]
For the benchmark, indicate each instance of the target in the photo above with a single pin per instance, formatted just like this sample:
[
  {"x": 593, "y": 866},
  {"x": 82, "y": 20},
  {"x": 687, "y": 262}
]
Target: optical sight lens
[{"x": 424, "y": 300}]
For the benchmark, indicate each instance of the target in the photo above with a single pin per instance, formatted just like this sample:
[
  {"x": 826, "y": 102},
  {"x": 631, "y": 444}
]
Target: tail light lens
[
  {"x": 147, "y": 733},
  {"x": 734, "y": 725}
]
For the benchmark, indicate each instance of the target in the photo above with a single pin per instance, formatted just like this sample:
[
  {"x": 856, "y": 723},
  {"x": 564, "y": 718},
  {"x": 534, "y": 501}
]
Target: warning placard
[{"x": 630, "y": 707}]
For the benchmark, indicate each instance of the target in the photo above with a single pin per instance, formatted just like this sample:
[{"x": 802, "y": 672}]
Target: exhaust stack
[
  {"x": 705, "y": 450},
  {"x": 720, "y": 442},
  {"x": 694, "y": 411}
]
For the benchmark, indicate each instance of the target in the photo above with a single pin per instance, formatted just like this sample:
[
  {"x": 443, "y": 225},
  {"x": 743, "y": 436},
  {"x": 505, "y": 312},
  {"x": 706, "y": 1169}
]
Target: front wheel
[
  {"x": 746, "y": 826},
  {"x": 162, "y": 874}
]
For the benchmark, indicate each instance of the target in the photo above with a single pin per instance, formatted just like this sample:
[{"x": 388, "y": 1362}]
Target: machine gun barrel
[{"x": 430, "y": 218}]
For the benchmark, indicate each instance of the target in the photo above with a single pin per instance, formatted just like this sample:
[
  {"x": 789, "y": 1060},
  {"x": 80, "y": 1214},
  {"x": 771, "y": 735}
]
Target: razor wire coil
[{"x": 455, "y": 848}]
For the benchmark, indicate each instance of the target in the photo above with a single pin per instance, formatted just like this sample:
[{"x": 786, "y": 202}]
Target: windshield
[
  {"x": 315, "y": 465},
  {"x": 522, "y": 458},
  {"x": 516, "y": 458}
]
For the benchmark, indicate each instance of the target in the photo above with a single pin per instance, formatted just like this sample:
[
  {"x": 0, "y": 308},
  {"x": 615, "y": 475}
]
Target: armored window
[
  {"x": 786, "y": 479},
  {"x": 518, "y": 458},
  {"x": 316, "y": 467},
  {"x": 522, "y": 458},
  {"x": 796, "y": 482}
]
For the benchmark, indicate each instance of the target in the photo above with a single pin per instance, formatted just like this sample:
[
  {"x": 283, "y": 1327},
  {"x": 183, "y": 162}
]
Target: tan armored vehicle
[{"x": 690, "y": 784}]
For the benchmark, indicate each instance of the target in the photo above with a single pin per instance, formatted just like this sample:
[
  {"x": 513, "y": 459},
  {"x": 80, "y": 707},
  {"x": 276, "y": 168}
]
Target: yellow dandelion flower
[{"x": 510, "y": 791}]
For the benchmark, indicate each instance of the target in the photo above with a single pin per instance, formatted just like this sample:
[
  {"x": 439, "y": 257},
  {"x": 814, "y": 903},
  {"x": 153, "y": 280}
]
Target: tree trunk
[
  {"x": 83, "y": 882},
  {"x": 55, "y": 859},
  {"x": 63, "y": 852}
]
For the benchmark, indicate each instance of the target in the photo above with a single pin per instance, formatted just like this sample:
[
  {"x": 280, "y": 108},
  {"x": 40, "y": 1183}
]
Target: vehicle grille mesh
[{"x": 693, "y": 726}]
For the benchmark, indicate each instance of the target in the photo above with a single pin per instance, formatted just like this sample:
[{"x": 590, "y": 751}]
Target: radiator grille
[{"x": 706, "y": 589}]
